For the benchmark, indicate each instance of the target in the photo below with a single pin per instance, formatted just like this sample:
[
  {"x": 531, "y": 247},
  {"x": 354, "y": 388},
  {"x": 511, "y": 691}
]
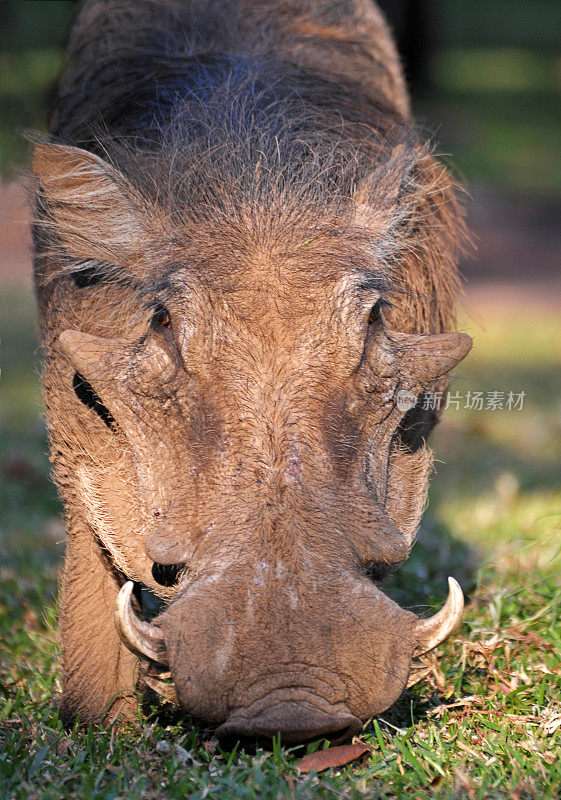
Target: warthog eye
[
  {"x": 161, "y": 318},
  {"x": 167, "y": 574},
  {"x": 375, "y": 315},
  {"x": 87, "y": 276}
]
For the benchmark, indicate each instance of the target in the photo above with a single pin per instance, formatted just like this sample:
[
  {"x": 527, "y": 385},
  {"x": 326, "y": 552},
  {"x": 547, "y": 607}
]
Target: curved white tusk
[
  {"x": 164, "y": 689},
  {"x": 140, "y": 637},
  {"x": 434, "y": 630}
]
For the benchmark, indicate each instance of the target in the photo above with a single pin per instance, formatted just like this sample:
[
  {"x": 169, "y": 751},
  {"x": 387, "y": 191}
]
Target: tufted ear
[
  {"x": 95, "y": 211},
  {"x": 377, "y": 195}
]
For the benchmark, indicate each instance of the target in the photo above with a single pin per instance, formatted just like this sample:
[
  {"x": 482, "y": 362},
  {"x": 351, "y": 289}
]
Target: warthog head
[{"x": 227, "y": 404}]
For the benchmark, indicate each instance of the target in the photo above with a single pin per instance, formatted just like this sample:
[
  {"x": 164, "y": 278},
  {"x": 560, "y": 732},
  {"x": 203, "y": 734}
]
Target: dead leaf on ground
[
  {"x": 427, "y": 668},
  {"x": 332, "y": 757},
  {"x": 464, "y": 702},
  {"x": 551, "y": 721}
]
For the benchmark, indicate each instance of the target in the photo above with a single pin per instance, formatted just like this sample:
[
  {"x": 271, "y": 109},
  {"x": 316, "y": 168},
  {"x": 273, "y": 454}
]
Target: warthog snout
[{"x": 257, "y": 664}]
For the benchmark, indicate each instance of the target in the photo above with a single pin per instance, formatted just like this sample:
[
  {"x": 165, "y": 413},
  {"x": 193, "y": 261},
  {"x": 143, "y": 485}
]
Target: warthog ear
[
  {"x": 377, "y": 195},
  {"x": 95, "y": 211}
]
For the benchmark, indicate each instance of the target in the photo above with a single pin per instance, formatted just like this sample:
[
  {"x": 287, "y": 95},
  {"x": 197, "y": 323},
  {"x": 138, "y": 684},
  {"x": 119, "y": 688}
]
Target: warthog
[{"x": 243, "y": 253}]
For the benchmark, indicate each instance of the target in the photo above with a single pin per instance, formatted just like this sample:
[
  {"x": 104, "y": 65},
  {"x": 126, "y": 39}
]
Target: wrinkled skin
[{"x": 225, "y": 433}]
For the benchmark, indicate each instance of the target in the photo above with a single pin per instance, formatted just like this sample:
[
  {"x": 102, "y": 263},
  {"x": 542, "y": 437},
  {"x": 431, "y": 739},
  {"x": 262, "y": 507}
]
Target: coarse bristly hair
[
  {"x": 213, "y": 129},
  {"x": 251, "y": 166}
]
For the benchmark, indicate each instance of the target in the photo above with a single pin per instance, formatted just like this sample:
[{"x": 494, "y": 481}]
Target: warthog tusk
[
  {"x": 138, "y": 636},
  {"x": 164, "y": 689},
  {"x": 434, "y": 630}
]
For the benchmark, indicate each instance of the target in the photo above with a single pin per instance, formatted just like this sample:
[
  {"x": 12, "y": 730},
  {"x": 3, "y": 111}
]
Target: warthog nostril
[{"x": 294, "y": 722}]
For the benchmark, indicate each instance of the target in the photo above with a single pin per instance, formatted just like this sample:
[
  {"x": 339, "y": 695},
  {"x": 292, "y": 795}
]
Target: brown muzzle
[
  {"x": 259, "y": 654},
  {"x": 258, "y": 659}
]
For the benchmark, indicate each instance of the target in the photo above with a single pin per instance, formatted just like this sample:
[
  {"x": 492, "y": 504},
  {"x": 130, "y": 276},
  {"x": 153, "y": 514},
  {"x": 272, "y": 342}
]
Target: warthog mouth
[
  {"x": 292, "y": 699},
  {"x": 300, "y": 722}
]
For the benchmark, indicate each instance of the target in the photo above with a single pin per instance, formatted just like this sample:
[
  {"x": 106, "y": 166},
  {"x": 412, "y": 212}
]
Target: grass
[{"x": 484, "y": 720}]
